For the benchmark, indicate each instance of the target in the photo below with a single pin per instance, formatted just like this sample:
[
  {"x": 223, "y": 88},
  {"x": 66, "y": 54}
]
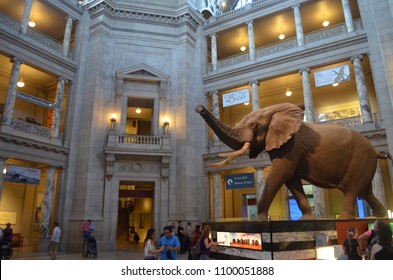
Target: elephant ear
[{"x": 285, "y": 121}]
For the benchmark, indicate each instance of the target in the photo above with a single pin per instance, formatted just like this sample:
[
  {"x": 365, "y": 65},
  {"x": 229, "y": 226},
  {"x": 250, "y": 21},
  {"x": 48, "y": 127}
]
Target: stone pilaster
[
  {"x": 2, "y": 175},
  {"x": 214, "y": 51},
  {"x": 216, "y": 113},
  {"x": 67, "y": 36},
  {"x": 319, "y": 202},
  {"x": 58, "y": 107},
  {"x": 307, "y": 93},
  {"x": 260, "y": 185},
  {"x": 25, "y": 16},
  {"x": 378, "y": 186},
  {"x": 217, "y": 196},
  {"x": 11, "y": 92},
  {"x": 362, "y": 89},
  {"x": 47, "y": 202},
  {"x": 298, "y": 23},
  {"x": 348, "y": 16},
  {"x": 255, "y": 95},
  {"x": 251, "y": 43}
]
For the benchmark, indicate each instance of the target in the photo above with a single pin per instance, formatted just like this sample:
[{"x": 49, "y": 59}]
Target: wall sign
[
  {"x": 236, "y": 97},
  {"x": 333, "y": 75},
  {"x": 239, "y": 181},
  {"x": 35, "y": 100}
]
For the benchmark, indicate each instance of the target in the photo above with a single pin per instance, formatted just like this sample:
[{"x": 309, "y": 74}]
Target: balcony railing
[
  {"x": 138, "y": 142},
  {"x": 31, "y": 128},
  {"x": 347, "y": 122},
  {"x": 291, "y": 43}
]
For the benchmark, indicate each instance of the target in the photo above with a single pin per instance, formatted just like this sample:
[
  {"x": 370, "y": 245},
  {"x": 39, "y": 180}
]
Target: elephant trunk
[{"x": 230, "y": 136}]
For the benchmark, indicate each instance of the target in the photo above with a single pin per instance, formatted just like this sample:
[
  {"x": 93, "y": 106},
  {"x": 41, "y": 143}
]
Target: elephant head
[{"x": 263, "y": 129}]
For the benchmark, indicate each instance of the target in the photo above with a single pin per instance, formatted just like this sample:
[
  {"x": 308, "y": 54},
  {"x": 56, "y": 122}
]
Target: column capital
[
  {"x": 16, "y": 59},
  {"x": 360, "y": 56},
  {"x": 213, "y": 92},
  {"x": 304, "y": 70},
  {"x": 254, "y": 82},
  {"x": 295, "y": 6},
  {"x": 213, "y": 35},
  {"x": 69, "y": 17},
  {"x": 249, "y": 21},
  {"x": 61, "y": 79}
]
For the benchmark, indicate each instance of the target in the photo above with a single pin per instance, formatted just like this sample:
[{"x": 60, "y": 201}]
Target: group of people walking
[
  {"x": 169, "y": 243},
  {"x": 374, "y": 244}
]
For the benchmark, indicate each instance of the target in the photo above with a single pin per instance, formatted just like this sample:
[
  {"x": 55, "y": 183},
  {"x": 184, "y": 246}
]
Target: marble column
[
  {"x": 11, "y": 92},
  {"x": 307, "y": 93},
  {"x": 67, "y": 36},
  {"x": 214, "y": 51},
  {"x": 379, "y": 186},
  {"x": 348, "y": 16},
  {"x": 25, "y": 16},
  {"x": 251, "y": 43},
  {"x": 255, "y": 95},
  {"x": 260, "y": 185},
  {"x": 58, "y": 107},
  {"x": 298, "y": 23},
  {"x": 362, "y": 89},
  {"x": 216, "y": 113},
  {"x": 217, "y": 196},
  {"x": 319, "y": 202},
  {"x": 2, "y": 175},
  {"x": 47, "y": 202}
]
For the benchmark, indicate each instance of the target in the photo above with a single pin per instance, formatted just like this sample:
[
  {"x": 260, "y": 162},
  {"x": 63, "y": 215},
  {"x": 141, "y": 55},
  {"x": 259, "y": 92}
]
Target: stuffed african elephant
[{"x": 327, "y": 156}]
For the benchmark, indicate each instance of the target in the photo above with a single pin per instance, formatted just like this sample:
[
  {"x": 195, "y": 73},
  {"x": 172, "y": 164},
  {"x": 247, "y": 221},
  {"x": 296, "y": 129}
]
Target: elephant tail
[{"x": 384, "y": 156}]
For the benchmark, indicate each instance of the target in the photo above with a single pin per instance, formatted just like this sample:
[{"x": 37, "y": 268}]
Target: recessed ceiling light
[
  {"x": 243, "y": 48},
  {"x": 32, "y": 23},
  {"x": 138, "y": 111},
  {"x": 325, "y": 23},
  {"x": 281, "y": 36}
]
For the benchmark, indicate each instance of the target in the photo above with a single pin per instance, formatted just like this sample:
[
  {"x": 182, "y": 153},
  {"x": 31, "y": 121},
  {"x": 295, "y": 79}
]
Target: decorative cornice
[{"x": 187, "y": 17}]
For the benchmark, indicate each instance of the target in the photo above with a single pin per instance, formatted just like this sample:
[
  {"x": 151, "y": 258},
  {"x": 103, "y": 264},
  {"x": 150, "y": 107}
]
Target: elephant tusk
[
  {"x": 237, "y": 153},
  {"x": 231, "y": 156}
]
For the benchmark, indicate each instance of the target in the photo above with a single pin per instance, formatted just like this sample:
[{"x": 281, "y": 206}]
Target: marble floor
[{"x": 124, "y": 251}]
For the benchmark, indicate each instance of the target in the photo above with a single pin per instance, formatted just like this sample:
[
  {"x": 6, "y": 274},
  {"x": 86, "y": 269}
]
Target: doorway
[{"x": 135, "y": 213}]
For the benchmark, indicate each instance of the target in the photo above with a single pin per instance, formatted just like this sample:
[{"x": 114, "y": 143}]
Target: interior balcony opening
[
  {"x": 139, "y": 116},
  {"x": 38, "y": 95}
]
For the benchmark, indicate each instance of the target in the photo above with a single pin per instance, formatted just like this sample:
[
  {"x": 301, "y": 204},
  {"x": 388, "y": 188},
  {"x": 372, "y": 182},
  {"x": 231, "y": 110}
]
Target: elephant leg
[
  {"x": 296, "y": 187},
  {"x": 378, "y": 209},
  {"x": 275, "y": 180},
  {"x": 349, "y": 206}
]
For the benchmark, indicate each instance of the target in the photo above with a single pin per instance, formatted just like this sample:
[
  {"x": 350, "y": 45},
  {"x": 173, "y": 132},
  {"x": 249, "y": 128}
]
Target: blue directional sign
[{"x": 239, "y": 181}]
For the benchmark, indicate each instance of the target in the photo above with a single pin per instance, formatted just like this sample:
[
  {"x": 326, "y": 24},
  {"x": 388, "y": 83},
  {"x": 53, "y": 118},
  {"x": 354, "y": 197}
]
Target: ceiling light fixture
[
  {"x": 243, "y": 48},
  {"x": 31, "y": 23},
  {"x": 138, "y": 111},
  {"x": 325, "y": 23},
  {"x": 246, "y": 103},
  {"x": 21, "y": 83},
  {"x": 335, "y": 84},
  {"x": 281, "y": 36}
]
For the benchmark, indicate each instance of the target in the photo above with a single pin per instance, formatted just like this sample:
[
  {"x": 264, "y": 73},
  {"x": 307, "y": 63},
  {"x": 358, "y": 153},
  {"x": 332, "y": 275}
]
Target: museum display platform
[{"x": 283, "y": 239}]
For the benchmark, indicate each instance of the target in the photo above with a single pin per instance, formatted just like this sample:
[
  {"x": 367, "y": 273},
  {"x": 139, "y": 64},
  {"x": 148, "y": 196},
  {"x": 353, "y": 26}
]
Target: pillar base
[{"x": 41, "y": 245}]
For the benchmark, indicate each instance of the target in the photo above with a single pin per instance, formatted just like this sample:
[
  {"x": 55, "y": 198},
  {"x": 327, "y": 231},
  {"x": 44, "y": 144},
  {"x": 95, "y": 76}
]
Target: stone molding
[
  {"x": 138, "y": 167},
  {"x": 144, "y": 17}
]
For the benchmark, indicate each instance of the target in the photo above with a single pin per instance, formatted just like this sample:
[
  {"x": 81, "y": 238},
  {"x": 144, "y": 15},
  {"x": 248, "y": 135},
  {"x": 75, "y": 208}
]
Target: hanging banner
[
  {"x": 333, "y": 75},
  {"x": 236, "y": 97},
  {"x": 35, "y": 100},
  {"x": 22, "y": 175},
  {"x": 239, "y": 181}
]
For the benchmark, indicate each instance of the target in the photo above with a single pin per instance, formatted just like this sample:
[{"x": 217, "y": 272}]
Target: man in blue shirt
[{"x": 170, "y": 243}]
